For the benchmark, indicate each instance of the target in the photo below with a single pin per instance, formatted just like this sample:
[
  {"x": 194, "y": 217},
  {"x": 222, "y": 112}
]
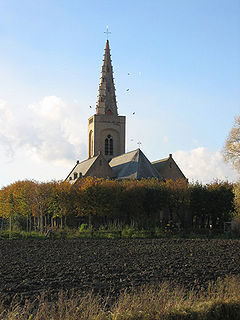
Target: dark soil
[{"x": 29, "y": 267}]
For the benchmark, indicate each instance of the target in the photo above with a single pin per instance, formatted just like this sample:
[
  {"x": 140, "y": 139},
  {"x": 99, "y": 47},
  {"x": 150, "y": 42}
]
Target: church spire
[{"x": 107, "y": 99}]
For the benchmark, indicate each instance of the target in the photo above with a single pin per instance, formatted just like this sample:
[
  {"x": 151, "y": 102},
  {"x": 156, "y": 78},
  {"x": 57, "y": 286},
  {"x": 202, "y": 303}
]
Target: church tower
[{"x": 106, "y": 129}]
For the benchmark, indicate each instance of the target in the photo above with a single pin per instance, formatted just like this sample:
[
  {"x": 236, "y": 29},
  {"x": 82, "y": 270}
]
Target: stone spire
[{"x": 107, "y": 99}]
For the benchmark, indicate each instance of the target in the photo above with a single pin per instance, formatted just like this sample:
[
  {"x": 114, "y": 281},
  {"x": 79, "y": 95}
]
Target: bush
[
  {"x": 83, "y": 227},
  {"x": 128, "y": 231}
]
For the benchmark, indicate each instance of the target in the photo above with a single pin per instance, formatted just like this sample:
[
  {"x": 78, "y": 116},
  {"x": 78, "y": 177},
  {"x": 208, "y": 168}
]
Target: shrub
[
  {"x": 83, "y": 227},
  {"x": 128, "y": 231}
]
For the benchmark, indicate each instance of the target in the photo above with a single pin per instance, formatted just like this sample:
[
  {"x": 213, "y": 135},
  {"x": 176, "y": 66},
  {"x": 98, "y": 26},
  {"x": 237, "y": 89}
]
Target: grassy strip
[
  {"x": 221, "y": 301},
  {"x": 124, "y": 233}
]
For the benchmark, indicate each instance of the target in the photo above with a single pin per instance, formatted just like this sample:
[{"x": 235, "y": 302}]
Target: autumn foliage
[{"x": 147, "y": 202}]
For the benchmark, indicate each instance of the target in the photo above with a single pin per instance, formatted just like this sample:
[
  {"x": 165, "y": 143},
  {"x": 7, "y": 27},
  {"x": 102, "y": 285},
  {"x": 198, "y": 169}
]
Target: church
[{"x": 106, "y": 142}]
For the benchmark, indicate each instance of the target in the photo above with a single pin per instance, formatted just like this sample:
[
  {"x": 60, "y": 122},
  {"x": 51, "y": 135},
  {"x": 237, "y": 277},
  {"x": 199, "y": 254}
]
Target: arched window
[
  {"x": 109, "y": 145},
  {"x": 90, "y": 144},
  {"x": 106, "y": 146}
]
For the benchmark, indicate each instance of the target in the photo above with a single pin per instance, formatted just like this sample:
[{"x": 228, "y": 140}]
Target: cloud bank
[
  {"x": 49, "y": 130},
  {"x": 44, "y": 139},
  {"x": 202, "y": 165}
]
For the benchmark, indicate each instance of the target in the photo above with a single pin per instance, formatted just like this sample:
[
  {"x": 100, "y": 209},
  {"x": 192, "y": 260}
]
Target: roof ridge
[
  {"x": 160, "y": 160},
  {"x": 138, "y": 161},
  {"x": 123, "y": 154},
  {"x": 89, "y": 159},
  {"x": 152, "y": 167}
]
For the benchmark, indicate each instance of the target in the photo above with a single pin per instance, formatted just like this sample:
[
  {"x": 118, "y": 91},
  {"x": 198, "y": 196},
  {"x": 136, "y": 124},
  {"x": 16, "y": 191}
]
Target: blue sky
[{"x": 184, "y": 84}]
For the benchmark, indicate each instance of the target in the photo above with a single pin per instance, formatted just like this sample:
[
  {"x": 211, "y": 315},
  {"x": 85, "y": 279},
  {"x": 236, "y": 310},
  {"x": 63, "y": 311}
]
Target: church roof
[
  {"x": 160, "y": 163},
  {"x": 168, "y": 168},
  {"x": 133, "y": 164},
  {"x": 82, "y": 167},
  {"x": 106, "y": 103}
]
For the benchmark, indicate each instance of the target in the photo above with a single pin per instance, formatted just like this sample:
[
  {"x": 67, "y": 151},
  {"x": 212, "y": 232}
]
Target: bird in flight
[
  {"x": 127, "y": 90},
  {"x": 90, "y": 107},
  {"x": 133, "y": 112}
]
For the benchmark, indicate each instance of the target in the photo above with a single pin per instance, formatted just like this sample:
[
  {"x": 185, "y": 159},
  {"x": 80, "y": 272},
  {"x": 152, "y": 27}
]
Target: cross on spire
[
  {"x": 139, "y": 144},
  {"x": 107, "y": 32}
]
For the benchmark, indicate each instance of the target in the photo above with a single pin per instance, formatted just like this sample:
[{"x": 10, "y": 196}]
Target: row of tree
[{"x": 147, "y": 202}]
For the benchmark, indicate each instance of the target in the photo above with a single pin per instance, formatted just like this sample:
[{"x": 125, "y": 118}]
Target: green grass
[
  {"x": 221, "y": 301},
  {"x": 113, "y": 231},
  {"x": 4, "y": 234}
]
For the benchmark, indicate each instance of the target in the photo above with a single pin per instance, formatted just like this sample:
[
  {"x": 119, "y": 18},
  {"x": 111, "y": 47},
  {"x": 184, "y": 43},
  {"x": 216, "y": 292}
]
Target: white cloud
[
  {"x": 49, "y": 130},
  {"x": 42, "y": 141},
  {"x": 203, "y": 165}
]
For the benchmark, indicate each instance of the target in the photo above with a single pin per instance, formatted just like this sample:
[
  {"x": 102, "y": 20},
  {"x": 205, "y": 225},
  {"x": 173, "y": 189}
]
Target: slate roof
[
  {"x": 133, "y": 164},
  {"x": 162, "y": 167},
  {"x": 159, "y": 164},
  {"x": 83, "y": 167},
  {"x": 130, "y": 165}
]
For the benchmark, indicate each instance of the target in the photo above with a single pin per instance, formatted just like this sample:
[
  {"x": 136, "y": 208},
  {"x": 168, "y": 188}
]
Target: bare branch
[{"x": 231, "y": 151}]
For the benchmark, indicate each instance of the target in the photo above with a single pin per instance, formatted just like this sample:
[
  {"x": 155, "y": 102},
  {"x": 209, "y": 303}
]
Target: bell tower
[{"x": 106, "y": 129}]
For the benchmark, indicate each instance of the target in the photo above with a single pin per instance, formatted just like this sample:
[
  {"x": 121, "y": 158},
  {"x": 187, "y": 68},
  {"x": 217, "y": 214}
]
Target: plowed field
[{"x": 28, "y": 267}]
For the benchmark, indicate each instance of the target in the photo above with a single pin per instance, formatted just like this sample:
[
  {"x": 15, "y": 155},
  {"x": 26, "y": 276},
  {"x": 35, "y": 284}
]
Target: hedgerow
[{"x": 148, "y": 203}]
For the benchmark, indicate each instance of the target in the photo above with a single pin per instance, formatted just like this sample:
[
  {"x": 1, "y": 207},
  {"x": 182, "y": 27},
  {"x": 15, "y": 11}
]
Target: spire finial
[{"x": 107, "y": 31}]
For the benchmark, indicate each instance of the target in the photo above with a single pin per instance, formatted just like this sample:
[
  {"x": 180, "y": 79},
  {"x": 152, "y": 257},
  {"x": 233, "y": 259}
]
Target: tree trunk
[
  {"x": 30, "y": 223},
  {"x": 208, "y": 221},
  {"x": 37, "y": 223},
  {"x": 90, "y": 220},
  {"x": 34, "y": 223},
  {"x": 65, "y": 221},
  {"x": 10, "y": 226},
  {"x": 41, "y": 222}
]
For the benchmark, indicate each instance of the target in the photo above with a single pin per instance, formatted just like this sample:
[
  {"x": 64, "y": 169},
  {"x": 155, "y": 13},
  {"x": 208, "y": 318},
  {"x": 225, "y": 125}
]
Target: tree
[
  {"x": 178, "y": 200},
  {"x": 199, "y": 200},
  {"x": 237, "y": 197},
  {"x": 40, "y": 198},
  {"x": 221, "y": 202},
  {"x": 97, "y": 197},
  {"x": 231, "y": 151}
]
